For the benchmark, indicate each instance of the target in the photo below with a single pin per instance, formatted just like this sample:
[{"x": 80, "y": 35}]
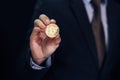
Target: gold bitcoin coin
[{"x": 52, "y": 30}]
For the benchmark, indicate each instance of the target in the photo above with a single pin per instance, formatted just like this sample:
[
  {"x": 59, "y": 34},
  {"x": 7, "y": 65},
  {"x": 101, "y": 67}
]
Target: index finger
[{"x": 44, "y": 19}]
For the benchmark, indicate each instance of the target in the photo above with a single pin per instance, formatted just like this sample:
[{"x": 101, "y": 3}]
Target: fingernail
[
  {"x": 36, "y": 21},
  {"x": 42, "y": 15},
  {"x": 52, "y": 20},
  {"x": 47, "y": 21}
]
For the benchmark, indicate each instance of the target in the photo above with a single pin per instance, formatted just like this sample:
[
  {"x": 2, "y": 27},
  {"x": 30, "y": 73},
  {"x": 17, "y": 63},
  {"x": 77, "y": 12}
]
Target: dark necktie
[{"x": 98, "y": 32}]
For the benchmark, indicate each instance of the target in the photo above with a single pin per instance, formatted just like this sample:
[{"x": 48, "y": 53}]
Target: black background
[{"x": 15, "y": 17}]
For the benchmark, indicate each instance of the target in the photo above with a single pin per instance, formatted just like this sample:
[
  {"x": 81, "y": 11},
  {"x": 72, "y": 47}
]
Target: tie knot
[{"x": 96, "y": 3}]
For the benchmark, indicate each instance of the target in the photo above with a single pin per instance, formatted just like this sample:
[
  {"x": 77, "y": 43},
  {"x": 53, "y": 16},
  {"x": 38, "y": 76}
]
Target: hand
[{"x": 42, "y": 46}]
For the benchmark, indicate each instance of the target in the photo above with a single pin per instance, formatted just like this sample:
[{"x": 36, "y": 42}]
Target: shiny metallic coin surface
[{"x": 52, "y": 30}]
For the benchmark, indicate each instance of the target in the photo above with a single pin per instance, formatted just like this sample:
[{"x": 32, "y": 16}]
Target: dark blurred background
[
  {"x": 15, "y": 16},
  {"x": 14, "y": 20}
]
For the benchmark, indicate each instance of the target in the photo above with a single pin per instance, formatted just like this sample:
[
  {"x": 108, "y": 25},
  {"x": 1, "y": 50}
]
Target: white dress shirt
[{"x": 89, "y": 10}]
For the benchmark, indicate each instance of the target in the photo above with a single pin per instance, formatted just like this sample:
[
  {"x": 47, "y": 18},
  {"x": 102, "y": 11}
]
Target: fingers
[
  {"x": 53, "y": 21},
  {"x": 57, "y": 39},
  {"x": 36, "y": 30},
  {"x": 35, "y": 33},
  {"x": 41, "y": 23},
  {"x": 44, "y": 19}
]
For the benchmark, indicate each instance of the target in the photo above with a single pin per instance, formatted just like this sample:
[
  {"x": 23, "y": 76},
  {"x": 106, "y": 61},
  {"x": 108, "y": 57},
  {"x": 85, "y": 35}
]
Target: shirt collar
[{"x": 88, "y": 1}]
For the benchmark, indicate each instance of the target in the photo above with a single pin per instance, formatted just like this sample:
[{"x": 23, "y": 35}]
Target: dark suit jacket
[{"x": 76, "y": 58}]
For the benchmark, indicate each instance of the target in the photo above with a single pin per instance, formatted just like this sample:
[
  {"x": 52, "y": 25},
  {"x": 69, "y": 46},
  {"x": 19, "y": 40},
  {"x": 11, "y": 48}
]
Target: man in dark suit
[{"x": 73, "y": 54}]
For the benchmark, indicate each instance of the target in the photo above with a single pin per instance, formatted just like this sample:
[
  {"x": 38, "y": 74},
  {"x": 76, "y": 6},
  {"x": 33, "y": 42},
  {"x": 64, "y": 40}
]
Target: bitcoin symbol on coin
[{"x": 52, "y": 30}]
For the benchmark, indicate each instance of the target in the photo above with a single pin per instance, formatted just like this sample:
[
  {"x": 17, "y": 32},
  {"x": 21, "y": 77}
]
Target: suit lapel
[
  {"x": 80, "y": 14},
  {"x": 112, "y": 28},
  {"x": 111, "y": 54}
]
